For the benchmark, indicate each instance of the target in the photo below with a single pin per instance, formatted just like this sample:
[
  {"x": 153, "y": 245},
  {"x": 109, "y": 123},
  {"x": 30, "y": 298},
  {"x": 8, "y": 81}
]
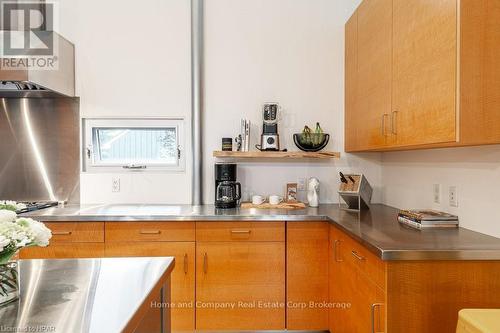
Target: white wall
[
  {"x": 132, "y": 60},
  {"x": 289, "y": 51},
  {"x": 408, "y": 179}
]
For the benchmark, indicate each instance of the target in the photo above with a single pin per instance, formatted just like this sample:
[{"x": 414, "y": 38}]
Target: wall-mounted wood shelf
[{"x": 277, "y": 154}]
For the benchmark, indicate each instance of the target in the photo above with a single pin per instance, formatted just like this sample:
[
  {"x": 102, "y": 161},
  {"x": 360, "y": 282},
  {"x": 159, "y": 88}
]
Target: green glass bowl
[{"x": 311, "y": 142}]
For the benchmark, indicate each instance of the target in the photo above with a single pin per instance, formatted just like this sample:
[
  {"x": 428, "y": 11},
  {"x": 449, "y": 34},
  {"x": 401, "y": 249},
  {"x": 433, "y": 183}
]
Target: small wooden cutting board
[{"x": 283, "y": 205}]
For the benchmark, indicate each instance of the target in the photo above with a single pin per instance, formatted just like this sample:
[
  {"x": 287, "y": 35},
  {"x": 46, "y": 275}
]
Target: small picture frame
[{"x": 291, "y": 192}]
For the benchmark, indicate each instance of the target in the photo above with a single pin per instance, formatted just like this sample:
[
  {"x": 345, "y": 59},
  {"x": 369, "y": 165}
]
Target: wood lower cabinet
[
  {"x": 422, "y": 74},
  {"x": 64, "y": 251},
  {"x": 307, "y": 275},
  {"x": 403, "y": 296},
  {"x": 357, "y": 302},
  {"x": 240, "y": 285},
  {"x": 162, "y": 239},
  {"x": 70, "y": 240},
  {"x": 182, "y": 279}
]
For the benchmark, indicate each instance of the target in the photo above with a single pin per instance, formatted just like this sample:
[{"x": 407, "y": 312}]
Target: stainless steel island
[{"x": 91, "y": 295}]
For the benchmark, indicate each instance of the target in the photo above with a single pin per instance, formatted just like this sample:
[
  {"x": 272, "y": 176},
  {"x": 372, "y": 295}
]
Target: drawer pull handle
[
  {"x": 357, "y": 256},
  {"x": 61, "y": 233},
  {"x": 205, "y": 263},
  {"x": 374, "y": 307},
  {"x": 382, "y": 129},
  {"x": 336, "y": 244},
  {"x": 241, "y": 232},
  {"x": 150, "y": 232},
  {"x": 394, "y": 129},
  {"x": 185, "y": 263}
]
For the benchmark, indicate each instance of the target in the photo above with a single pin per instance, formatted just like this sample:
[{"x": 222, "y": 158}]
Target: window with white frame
[{"x": 133, "y": 144}]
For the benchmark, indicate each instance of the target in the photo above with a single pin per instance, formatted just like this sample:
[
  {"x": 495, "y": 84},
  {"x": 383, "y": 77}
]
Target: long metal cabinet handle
[
  {"x": 374, "y": 306},
  {"x": 357, "y": 256},
  {"x": 185, "y": 263},
  {"x": 205, "y": 263},
  {"x": 382, "y": 129},
  {"x": 336, "y": 244},
  {"x": 150, "y": 232},
  {"x": 241, "y": 231},
  {"x": 394, "y": 128},
  {"x": 61, "y": 233}
]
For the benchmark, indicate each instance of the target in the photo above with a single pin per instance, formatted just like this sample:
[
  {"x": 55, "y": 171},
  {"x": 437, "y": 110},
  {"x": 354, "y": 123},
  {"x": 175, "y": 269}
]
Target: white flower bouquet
[
  {"x": 16, "y": 233},
  {"x": 19, "y": 232}
]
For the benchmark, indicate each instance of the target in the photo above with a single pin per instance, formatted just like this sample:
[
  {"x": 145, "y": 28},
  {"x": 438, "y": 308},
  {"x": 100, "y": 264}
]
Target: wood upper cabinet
[
  {"x": 307, "y": 275},
  {"x": 427, "y": 69},
  {"x": 424, "y": 71},
  {"x": 374, "y": 74},
  {"x": 480, "y": 72},
  {"x": 352, "y": 118},
  {"x": 240, "y": 285}
]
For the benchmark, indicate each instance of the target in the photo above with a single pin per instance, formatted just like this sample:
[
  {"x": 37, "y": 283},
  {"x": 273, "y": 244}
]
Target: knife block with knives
[{"x": 355, "y": 191}]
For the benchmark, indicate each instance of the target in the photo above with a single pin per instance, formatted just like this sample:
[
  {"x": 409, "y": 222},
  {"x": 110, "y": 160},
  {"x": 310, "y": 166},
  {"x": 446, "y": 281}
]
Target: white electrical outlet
[
  {"x": 453, "y": 196},
  {"x": 301, "y": 185},
  {"x": 437, "y": 193},
  {"x": 115, "y": 185}
]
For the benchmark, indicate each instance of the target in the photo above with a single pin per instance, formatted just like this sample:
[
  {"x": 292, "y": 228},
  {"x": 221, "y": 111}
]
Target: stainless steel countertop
[
  {"x": 82, "y": 295},
  {"x": 377, "y": 228}
]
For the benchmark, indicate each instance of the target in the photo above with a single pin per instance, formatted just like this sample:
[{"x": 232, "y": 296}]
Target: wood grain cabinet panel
[
  {"x": 183, "y": 275},
  {"x": 240, "y": 286},
  {"x": 374, "y": 74},
  {"x": 445, "y": 84},
  {"x": 76, "y": 232},
  {"x": 435, "y": 291},
  {"x": 240, "y": 231},
  {"x": 352, "y": 117},
  {"x": 359, "y": 304},
  {"x": 364, "y": 261},
  {"x": 64, "y": 251},
  {"x": 150, "y": 231},
  {"x": 70, "y": 240},
  {"x": 480, "y": 72},
  {"x": 307, "y": 275},
  {"x": 425, "y": 71}
]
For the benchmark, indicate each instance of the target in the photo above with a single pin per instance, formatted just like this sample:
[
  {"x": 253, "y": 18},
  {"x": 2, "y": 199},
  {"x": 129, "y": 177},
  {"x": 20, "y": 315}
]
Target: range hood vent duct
[{"x": 27, "y": 74}]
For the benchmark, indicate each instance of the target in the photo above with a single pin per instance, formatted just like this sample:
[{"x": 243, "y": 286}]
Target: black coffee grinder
[{"x": 227, "y": 189}]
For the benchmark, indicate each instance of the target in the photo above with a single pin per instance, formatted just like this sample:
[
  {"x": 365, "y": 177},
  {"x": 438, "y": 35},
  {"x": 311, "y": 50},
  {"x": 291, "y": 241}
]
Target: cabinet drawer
[
  {"x": 367, "y": 263},
  {"x": 76, "y": 232},
  {"x": 149, "y": 231},
  {"x": 63, "y": 250},
  {"x": 240, "y": 231}
]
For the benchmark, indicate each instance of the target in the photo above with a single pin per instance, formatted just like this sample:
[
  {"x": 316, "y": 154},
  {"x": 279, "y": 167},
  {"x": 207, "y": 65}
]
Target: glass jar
[{"x": 9, "y": 281}]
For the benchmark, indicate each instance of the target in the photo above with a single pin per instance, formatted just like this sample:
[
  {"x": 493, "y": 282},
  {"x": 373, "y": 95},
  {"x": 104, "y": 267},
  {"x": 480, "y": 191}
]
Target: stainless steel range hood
[{"x": 29, "y": 81}]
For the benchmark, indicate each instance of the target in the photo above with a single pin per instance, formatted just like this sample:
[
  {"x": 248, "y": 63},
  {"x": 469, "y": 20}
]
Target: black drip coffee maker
[{"x": 227, "y": 189}]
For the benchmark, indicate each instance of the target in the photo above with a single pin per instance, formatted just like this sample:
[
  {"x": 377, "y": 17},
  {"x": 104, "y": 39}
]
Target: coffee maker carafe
[{"x": 227, "y": 189}]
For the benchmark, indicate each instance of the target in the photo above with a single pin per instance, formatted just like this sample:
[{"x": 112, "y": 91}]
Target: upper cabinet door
[
  {"x": 352, "y": 122},
  {"x": 424, "y": 71},
  {"x": 374, "y": 81}
]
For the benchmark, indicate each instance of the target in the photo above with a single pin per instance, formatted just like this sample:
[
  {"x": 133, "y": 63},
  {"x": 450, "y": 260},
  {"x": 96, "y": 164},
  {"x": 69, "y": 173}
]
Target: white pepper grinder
[{"x": 313, "y": 192}]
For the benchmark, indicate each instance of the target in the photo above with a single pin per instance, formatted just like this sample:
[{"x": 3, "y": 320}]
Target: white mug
[
  {"x": 258, "y": 199},
  {"x": 275, "y": 199}
]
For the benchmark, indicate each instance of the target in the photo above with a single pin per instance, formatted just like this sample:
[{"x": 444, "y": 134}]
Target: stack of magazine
[{"x": 421, "y": 219}]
